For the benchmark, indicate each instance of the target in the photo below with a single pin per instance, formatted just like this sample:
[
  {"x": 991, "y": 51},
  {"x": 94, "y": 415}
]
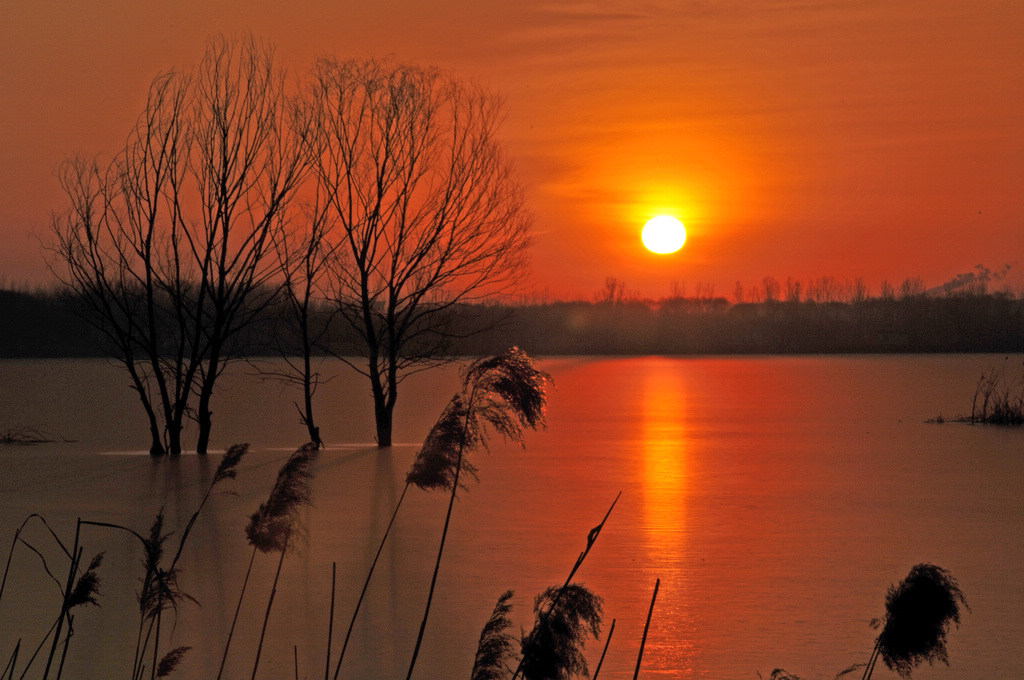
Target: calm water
[{"x": 776, "y": 498}]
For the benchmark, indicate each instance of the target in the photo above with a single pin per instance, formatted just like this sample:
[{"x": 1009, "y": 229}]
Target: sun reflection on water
[{"x": 664, "y": 445}]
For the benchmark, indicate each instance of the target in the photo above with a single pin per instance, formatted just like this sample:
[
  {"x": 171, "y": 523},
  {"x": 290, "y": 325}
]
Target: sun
[{"x": 663, "y": 234}]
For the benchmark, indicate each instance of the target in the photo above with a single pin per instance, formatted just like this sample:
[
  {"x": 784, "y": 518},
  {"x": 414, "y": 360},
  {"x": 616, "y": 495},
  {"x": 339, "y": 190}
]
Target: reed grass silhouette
[
  {"x": 647, "y": 626},
  {"x": 565, "y": 617},
  {"x": 170, "y": 661},
  {"x": 271, "y": 528},
  {"x": 82, "y": 591},
  {"x": 998, "y": 399},
  {"x": 918, "y": 613},
  {"x": 592, "y": 537},
  {"x": 495, "y": 649},
  {"x": 505, "y": 393},
  {"x": 14, "y": 543},
  {"x": 160, "y": 590},
  {"x": 78, "y": 590}
]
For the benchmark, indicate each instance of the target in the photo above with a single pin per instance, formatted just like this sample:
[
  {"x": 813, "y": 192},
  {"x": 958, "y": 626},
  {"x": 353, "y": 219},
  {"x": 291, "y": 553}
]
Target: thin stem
[
  {"x": 139, "y": 651},
  {"x": 17, "y": 534},
  {"x": 366, "y": 583},
  {"x": 67, "y": 643},
  {"x": 141, "y": 670},
  {"x": 330, "y": 624},
  {"x": 39, "y": 648},
  {"x": 10, "y": 554},
  {"x": 607, "y": 641},
  {"x": 444, "y": 535},
  {"x": 266, "y": 616},
  {"x": 542, "y": 617},
  {"x": 72, "y": 572},
  {"x": 234, "y": 620},
  {"x": 156, "y": 644},
  {"x": 11, "y": 662},
  {"x": 647, "y": 626},
  {"x": 869, "y": 668}
]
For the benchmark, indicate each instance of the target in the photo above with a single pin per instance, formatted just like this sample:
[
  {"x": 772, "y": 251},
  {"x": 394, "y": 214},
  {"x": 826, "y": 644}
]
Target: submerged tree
[
  {"x": 422, "y": 204},
  {"x": 171, "y": 245},
  {"x": 302, "y": 325}
]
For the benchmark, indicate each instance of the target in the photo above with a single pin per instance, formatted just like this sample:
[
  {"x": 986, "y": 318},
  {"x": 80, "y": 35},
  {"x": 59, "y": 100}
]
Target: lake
[{"x": 777, "y": 498}]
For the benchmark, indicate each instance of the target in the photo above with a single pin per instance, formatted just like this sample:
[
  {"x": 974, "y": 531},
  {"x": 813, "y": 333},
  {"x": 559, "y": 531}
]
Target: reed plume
[
  {"x": 495, "y": 650},
  {"x": 918, "y": 613},
  {"x": 505, "y": 393},
  {"x": 553, "y": 604},
  {"x": 228, "y": 467},
  {"x": 87, "y": 588},
  {"x": 170, "y": 661},
  {"x": 553, "y": 650},
  {"x": 271, "y": 526}
]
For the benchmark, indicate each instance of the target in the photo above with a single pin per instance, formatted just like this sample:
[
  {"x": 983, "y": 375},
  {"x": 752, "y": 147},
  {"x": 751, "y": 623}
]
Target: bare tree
[
  {"x": 793, "y": 289},
  {"x": 115, "y": 251},
  {"x": 613, "y": 292},
  {"x": 303, "y": 327},
  {"x": 422, "y": 204},
  {"x": 171, "y": 246},
  {"x": 245, "y": 168}
]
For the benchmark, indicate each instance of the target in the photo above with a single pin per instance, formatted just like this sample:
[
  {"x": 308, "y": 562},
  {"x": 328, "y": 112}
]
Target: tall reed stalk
[
  {"x": 647, "y": 626},
  {"x": 14, "y": 542},
  {"x": 272, "y": 527},
  {"x": 159, "y": 589},
  {"x": 544, "y": 614},
  {"x": 505, "y": 393},
  {"x": 366, "y": 582},
  {"x": 607, "y": 641}
]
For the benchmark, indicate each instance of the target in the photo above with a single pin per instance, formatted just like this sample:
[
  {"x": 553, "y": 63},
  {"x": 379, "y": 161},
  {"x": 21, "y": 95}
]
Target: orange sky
[{"x": 794, "y": 138}]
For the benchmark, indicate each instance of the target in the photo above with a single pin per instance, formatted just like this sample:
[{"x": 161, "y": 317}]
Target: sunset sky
[{"x": 798, "y": 138}]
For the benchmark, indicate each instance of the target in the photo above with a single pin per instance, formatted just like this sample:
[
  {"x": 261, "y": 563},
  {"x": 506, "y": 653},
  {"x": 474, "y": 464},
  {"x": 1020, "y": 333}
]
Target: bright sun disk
[{"x": 663, "y": 234}]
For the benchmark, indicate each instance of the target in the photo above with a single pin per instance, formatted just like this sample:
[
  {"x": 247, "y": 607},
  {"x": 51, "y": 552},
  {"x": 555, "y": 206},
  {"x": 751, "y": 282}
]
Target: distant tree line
[{"x": 47, "y": 325}]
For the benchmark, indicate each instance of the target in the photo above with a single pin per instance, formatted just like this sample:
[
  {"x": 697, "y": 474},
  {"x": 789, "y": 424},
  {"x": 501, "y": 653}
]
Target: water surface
[{"x": 775, "y": 498}]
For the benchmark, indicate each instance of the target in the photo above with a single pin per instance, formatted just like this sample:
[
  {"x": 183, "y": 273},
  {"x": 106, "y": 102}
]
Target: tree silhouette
[
  {"x": 171, "y": 245},
  {"x": 423, "y": 205}
]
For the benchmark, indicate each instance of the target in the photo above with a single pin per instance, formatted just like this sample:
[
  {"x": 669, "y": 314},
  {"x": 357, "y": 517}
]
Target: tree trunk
[
  {"x": 205, "y": 418},
  {"x": 307, "y": 393},
  {"x": 174, "y": 437},
  {"x": 383, "y": 403},
  {"x": 156, "y": 447},
  {"x": 383, "y": 412}
]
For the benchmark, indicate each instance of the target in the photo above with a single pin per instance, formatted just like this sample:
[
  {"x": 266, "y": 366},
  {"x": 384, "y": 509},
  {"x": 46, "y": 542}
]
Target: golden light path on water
[{"x": 665, "y": 493}]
